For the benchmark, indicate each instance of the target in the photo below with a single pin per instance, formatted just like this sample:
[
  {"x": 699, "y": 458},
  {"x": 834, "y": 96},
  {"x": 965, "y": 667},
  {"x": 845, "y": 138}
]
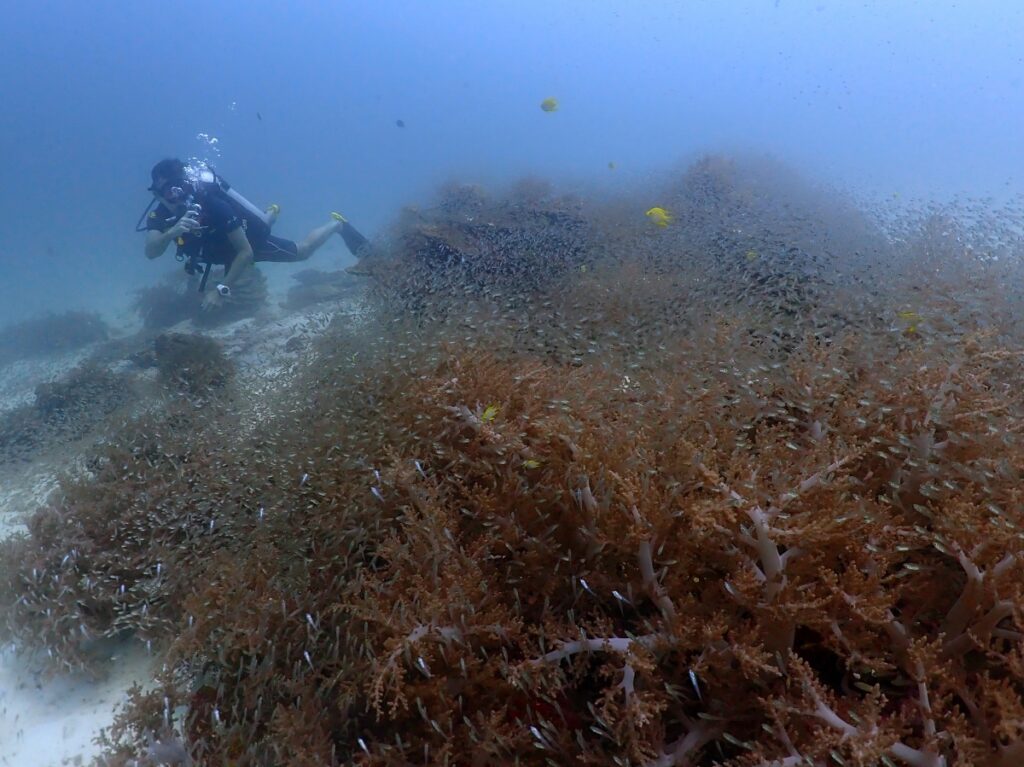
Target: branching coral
[
  {"x": 811, "y": 568},
  {"x": 192, "y": 363},
  {"x": 177, "y": 298},
  {"x": 659, "y": 518},
  {"x": 65, "y": 409}
]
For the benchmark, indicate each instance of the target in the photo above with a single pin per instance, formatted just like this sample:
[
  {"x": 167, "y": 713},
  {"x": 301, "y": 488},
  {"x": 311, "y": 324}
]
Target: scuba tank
[
  {"x": 205, "y": 181},
  {"x": 257, "y": 221}
]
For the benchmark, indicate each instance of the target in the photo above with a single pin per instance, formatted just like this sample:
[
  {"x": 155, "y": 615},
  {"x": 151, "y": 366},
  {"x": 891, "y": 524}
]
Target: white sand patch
[
  {"x": 18, "y": 379},
  {"x": 24, "y": 487},
  {"x": 22, "y": 491},
  {"x": 51, "y": 723}
]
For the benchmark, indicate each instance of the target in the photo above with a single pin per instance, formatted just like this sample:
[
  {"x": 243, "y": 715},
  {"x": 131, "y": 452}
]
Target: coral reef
[
  {"x": 679, "y": 508},
  {"x": 171, "y": 301},
  {"x": 191, "y": 363},
  {"x": 52, "y": 334},
  {"x": 63, "y": 410},
  {"x": 248, "y": 297},
  {"x": 470, "y": 246},
  {"x": 177, "y": 298}
]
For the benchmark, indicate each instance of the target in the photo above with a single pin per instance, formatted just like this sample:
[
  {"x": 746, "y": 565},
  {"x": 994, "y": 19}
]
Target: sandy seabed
[
  {"x": 50, "y": 722},
  {"x": 53, "y": 721}
]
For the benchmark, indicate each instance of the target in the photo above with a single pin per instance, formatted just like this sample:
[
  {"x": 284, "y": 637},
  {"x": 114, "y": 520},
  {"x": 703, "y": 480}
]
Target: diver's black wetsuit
[{"x": 220, "y": 217}]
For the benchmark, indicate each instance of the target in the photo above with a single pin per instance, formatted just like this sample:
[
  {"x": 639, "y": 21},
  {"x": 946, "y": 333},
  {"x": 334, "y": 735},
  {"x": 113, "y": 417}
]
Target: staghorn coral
[
  {"x": 615, "y": 524},
  {"x": 557, "y": 585},
  {"x": 63, "y": 410},
  {"x": 173, "y": 300},
  {"x": 192, "y": 363},
  {"x": 666, "y": 580}
]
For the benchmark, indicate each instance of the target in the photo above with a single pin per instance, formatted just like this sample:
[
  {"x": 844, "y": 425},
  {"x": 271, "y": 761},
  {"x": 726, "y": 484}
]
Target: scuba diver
[{"x": 212, "y": 224}]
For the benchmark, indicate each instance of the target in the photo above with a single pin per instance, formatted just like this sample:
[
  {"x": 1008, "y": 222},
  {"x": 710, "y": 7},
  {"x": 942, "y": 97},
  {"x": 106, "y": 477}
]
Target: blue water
[{"x": 910, "y": 98}]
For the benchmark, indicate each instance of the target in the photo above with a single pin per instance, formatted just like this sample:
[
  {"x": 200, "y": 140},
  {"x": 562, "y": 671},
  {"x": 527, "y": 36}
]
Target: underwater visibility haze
[
  {"x": 659, "y": 403},
  {"x": 915, "y": 98}
]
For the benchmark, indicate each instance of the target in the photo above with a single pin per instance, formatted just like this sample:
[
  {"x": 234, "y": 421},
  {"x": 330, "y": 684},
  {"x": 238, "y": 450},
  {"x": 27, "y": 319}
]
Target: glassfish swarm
[{"x": 682, "y": 508}]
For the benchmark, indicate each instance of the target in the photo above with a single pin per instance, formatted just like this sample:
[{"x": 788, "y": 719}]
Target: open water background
[{"x": 891, "y": 99}]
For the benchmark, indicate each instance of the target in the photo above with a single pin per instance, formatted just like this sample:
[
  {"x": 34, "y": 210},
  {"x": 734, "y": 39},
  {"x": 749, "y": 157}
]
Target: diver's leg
[
  {"x": 354, "y": 241},
  {"x": 318, "y": 237},
  {"x": 277, "y": 249}
]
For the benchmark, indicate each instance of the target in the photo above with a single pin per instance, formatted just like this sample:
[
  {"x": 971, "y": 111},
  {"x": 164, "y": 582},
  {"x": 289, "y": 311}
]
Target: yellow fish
[
  {"x": 751, "y": 255},
  {"x": 912, "y": 318},
  {"x": 531, "y": 463},
  {"x": 659, "y": 217},
  {"x": 489, "y": 412},
  {"x": 550, "y": 104}
]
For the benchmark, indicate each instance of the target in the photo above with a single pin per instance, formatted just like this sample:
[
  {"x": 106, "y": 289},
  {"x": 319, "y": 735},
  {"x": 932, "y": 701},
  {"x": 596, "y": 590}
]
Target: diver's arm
[
  {"x": 157, "y": 242},
  {"x": 243, "y": 255}
]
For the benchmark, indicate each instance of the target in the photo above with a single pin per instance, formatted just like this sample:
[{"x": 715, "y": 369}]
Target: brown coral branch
[
  {"x": 652, "y": 584},
  {"x": 979, "y": 635},
  {"x": 773, "y": 564},
  {"x": 1011, "y": 755},
  {"x": 912, "y": 756},
  {"x": 957, "y": 628},
  {"x": 815, "y": 479},
  {"x": 622, "y": 645},
  {"x": 678, "y": 753}
]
